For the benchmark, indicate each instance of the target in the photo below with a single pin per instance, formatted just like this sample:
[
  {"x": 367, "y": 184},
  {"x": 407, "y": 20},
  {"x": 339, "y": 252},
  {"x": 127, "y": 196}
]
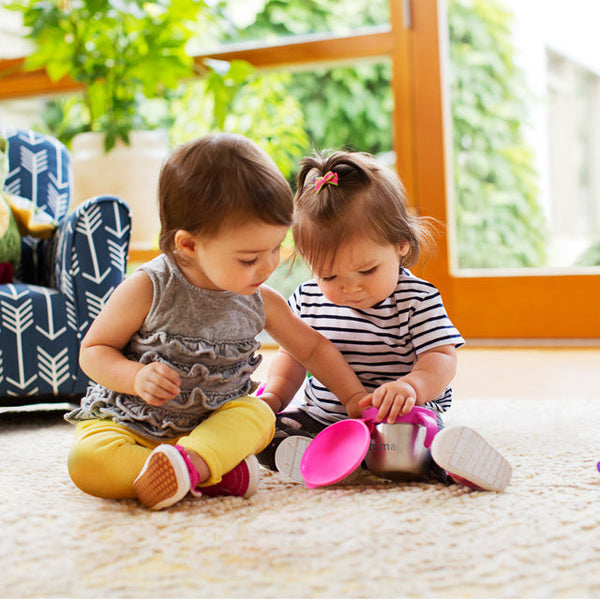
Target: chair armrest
[{"x": 90, "y": 257}]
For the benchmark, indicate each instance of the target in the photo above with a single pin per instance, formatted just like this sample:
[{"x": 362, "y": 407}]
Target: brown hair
[
  {"x": 368, "y": 199},
  {"x": 218, "y": 181}
]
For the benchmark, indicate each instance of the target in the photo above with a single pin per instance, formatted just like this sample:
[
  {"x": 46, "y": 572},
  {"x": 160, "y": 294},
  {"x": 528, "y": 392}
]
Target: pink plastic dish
[
  {"x": 340, "y": 448},
  {"x": 335, "y": 452}
]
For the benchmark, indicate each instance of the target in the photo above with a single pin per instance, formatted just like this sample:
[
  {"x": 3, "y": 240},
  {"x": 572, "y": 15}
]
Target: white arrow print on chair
[
  {"x": 53, "y": 370},
  {"x": 14, "y": 187},
  {"x": 71, "y": 316},
  {"x": 18, "y": 319},
  {"x": 12, "y": 294},
  {"x": 74, "y": 264},
  {"x": 49, "y": 333},
  {"x": 59, "y": 182},
  {"x": 35, "y": 163},
  {"x": 95, "y": 303},
  {"x": 57, "y": 201},
  {"x": 31, "y": 139},
  {"x": 88, "y": 223},
  {"x": 117, "y": 254},
  {"x": 119, "y": 231}
]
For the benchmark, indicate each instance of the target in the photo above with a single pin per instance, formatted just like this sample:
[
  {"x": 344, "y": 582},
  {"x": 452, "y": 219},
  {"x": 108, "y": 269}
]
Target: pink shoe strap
[
  {"x": 463, "y": 481},
  {"x": 194, "y": 475}
]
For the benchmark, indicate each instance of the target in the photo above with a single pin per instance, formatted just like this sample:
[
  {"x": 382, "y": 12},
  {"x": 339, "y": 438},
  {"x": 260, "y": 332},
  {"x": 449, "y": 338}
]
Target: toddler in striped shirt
[{"x": 354, "y": 230}]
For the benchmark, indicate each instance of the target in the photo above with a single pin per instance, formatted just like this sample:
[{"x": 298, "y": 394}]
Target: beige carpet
[{"x": 540, "y": 538}]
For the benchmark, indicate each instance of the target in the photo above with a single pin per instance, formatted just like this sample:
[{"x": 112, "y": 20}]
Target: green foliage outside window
[
  {"x": 235, "y": 97},
  {"x": 498, "y": 220},
  {"x": 591, "y": 257},
  {"x": 344, "y": 106}
]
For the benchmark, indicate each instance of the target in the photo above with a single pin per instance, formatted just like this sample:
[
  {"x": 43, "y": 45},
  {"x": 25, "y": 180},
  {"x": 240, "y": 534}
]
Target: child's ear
[
  {"x": 403, "y": 248},
  {"x": 185, "y": 242}
]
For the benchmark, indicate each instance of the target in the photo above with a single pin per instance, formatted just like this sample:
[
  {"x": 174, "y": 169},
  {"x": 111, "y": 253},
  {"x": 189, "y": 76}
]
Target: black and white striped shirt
[{"x": 381, "y": 343}]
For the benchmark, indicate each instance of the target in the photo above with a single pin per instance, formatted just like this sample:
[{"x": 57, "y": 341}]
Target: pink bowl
[{"x": 335, "y": 452}]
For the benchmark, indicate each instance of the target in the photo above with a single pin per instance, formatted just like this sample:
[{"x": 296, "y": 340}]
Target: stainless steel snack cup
[{"x": 397, "y": 451}]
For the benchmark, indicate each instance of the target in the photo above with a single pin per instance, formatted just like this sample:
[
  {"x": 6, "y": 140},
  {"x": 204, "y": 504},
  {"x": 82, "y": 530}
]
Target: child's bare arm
[
  {"x": 312, "y": 350},
  {"x": 430, "y": 376},
  {"x": 284, "y": 379},
  {"x": 101, "y": 354}
]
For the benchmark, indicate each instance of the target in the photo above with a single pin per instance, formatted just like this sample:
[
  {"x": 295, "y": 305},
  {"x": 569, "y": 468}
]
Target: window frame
[{"x": 537, "y": 304}]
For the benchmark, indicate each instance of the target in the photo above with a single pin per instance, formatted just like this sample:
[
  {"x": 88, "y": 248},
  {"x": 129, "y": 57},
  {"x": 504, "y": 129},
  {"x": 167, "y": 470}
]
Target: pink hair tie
[{"x": 330, "y": 177}]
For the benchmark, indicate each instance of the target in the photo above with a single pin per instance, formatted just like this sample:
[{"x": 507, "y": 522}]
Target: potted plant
[{"x": 125, "y": 53}]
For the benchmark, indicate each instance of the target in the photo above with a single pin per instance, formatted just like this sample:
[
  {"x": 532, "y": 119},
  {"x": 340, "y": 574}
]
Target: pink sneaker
[
  {"x": 470, "y": 460},
  {"x": 165, "y": 478},
  {"x": 240, "y": 481}
]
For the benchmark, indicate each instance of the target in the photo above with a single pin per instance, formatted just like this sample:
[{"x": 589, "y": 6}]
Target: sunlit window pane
[
  {"x": 268, "y": 21},
  {"x": 525, "y": 91}
]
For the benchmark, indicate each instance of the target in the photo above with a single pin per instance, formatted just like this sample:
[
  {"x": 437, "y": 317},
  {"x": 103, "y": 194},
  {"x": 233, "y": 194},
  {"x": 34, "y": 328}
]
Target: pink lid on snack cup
[
  {"x": 340, "y": 448},
  {"x": 335, "y": 452}
]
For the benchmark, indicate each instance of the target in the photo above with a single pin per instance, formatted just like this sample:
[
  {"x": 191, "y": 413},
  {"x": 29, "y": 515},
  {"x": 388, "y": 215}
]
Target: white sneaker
[
  {"x": 469, "y": 459},
  {"x": 289, "y": 454}
]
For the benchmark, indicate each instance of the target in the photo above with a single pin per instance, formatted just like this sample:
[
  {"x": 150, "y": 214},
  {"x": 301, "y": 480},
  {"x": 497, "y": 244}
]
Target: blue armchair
[{"x": 61, "y": 283}]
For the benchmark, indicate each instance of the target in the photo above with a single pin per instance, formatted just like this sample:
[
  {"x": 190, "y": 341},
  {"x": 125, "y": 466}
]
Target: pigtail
[
  {"x": 327, "y": 181},
  {"x": 307, "y": 164}
]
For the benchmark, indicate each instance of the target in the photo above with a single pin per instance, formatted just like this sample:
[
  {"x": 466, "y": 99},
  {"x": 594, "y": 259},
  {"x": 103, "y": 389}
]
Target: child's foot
[
  {"x": 470, "y": 459},
  {"x": 164, "y": 478},
  {"x": 240, "y": 481},
  {"x": 289, "y": 454}
]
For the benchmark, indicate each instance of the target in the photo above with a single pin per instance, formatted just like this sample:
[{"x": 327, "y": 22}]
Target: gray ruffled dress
[{"x": 208, "y": 337}]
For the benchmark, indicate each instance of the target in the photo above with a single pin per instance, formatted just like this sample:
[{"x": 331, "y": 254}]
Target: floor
[{"x": 488, "y": 372}]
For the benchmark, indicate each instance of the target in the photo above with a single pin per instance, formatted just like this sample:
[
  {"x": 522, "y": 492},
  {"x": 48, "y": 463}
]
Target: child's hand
[
  {"x": 393, "y": 399},
  {"x": 156, "y": 383}
]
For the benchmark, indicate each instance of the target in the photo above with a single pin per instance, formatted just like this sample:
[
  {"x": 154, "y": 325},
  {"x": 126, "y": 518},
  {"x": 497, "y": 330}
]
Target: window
[{"x": 533, "y": 299}]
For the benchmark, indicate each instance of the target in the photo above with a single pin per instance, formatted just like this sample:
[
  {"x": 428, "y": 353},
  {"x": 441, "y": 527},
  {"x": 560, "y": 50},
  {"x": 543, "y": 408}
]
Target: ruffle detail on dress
[
  {"x": 234, "y": 350},
  {"x": 201, "y": 376},
  {"x": 213, "y": 400},
  {"x": 102, "y": 403}
]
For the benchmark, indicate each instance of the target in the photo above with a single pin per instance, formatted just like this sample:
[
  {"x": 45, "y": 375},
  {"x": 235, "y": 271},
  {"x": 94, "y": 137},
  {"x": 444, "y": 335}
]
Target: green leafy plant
[
  {"x": 235, "y": 97},
  {"x": 122, "y": 52},
  {"x": 136, "y": 74},
  {"x": 344, "y": 106}
]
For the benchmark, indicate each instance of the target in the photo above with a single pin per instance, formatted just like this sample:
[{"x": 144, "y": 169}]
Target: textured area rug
[{"x": 540, "y": 538}]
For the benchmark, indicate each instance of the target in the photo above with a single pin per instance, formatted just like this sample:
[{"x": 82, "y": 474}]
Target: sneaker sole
[
  {"x": 164, "y": 479},
  {"x": 289, "y": 454},
  {"x": 462, "y": 451},
  {"x": 254, "y": 475}
]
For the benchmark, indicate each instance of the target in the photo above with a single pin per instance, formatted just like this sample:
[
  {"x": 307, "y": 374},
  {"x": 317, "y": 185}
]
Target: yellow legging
[{"x": 106, "y": 457}]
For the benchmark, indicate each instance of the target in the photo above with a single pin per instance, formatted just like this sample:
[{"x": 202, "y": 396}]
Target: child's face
[
  {"x": 237, "y": 259},
  {"x": 363, "y": 273}
]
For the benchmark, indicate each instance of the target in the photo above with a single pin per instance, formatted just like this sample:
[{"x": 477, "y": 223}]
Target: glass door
[{"x": 507, "y": 156}]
